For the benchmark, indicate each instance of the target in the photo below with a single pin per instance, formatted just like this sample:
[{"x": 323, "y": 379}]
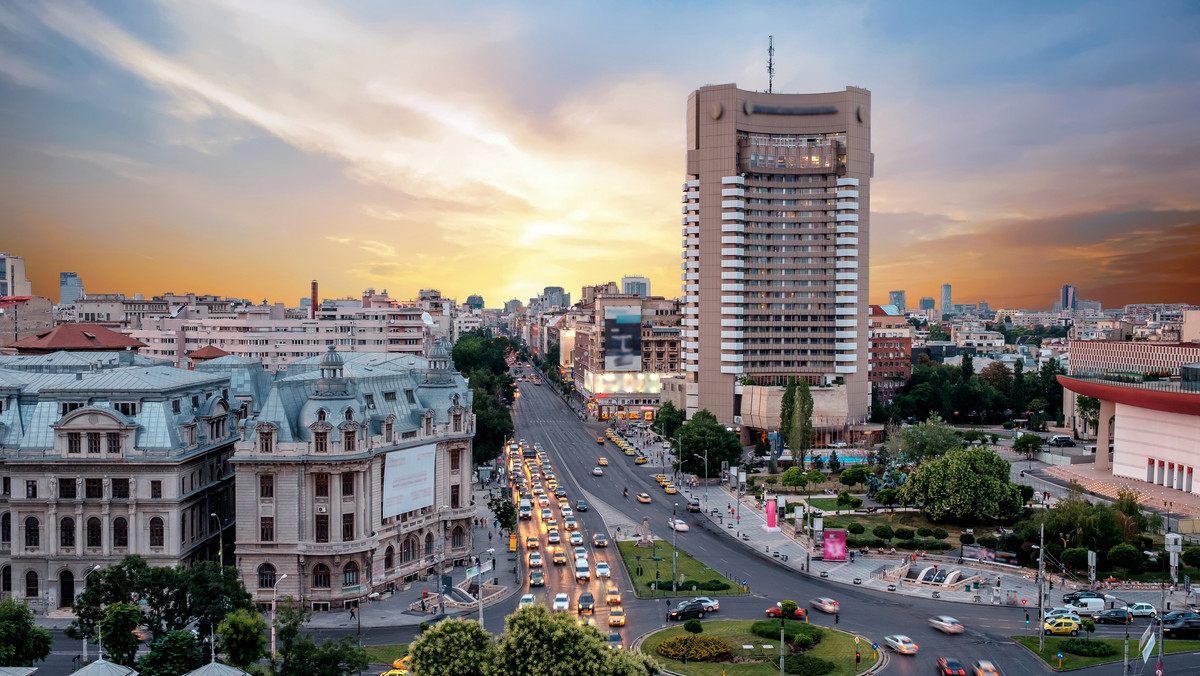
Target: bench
[{"x": 872, "y": 510}]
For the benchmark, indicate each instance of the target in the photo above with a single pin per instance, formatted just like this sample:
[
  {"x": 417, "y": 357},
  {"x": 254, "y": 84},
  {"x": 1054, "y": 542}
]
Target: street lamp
[
  {"x": 674, "y": 550},
  {"x": 274, "y": 590},
  {"x": 491, "y": 557},
  {"x": 85, "y": 577},
  {"x": 1168, "y": 505},
  {"x": 220, "y": 542}
]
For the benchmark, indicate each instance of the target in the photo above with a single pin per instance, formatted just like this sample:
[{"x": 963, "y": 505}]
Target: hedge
[
  {"x": 904, "y": 534},
  {"x": 807, "y": 665},
  {"x": 1191, "y": 557},
  {"x": 856, "y": 528},
  {"x": 1079, "y": 646},
  {"x": 696, "y": 647},
  {"x": 791, "y": 630},
  {"x": 691, "y": 585},
  {"x": 925, "y": 531},
  {"x": 940, "y": 533}
]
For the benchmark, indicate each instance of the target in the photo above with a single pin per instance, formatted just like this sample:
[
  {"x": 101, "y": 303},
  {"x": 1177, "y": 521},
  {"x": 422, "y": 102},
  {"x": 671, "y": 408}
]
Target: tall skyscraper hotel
[{"x": 775, "y": 243}]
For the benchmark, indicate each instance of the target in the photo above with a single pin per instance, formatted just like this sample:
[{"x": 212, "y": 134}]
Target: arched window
[
  {"x": 93, "y": 532},
  {"x": 31, "y": 585},
  {"x": 266, "y": 576},
  {"x": 66, "y": 532},
  {"x": 120, "y": 534},
  {"x": 320, "y": 576},
  {"x": 349, "y": 414},
  {"x": 157, "y": 536},
  {"x": 389, "y": 558},
  {"x": 429, "y": 544},
  {"x": 6, "y": 580},
  {"x": 457, "y": 539},
  {"x": 33, "y": 532},
  {"x": 6, "y": 527},
  {"x": 350, "y": 574},
  {"x": 321, "y": 415},
  {"x": 406, "y": 550}
]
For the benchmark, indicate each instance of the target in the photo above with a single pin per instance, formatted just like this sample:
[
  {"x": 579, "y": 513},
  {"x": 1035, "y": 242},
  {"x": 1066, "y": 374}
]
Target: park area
[
  {"x": 648, "y": 565},
  {"x": 1113, "y": 650}
]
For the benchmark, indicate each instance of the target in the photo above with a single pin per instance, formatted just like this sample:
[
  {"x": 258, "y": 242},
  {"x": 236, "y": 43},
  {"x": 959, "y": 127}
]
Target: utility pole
[
  {"x": 1042, "y": 583},
  {"x": 1162, "y": 608},
  {"x": 83, "y": 660},
  {"x": 674, "y": 551}
]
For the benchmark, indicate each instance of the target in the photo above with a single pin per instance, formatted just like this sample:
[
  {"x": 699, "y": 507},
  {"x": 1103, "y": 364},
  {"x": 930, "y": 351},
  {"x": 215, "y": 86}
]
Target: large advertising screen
[
  {"x": 408, "y": 480},
  {"x": 623, "y": 338},
  {"x": 622, "y": 383},
  {"x": 835, "y": 545}
]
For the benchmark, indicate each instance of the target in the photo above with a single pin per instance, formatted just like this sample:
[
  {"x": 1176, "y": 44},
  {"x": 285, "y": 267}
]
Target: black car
[
  {"x": 1180, "y": 615},
  {"x": 587, "y": 604},
  {"x": 1114, "y": 616},
  {"x": 599, "y": 540},
  {"x": 1189, "y": 628},
  {"x": 687, "y": 610},
  {"x": 580, "y": 506},
  {"x": 949, "y": 666},
  {"x": 1075, "y": 596},
  {"x": 694, "y": 506}
]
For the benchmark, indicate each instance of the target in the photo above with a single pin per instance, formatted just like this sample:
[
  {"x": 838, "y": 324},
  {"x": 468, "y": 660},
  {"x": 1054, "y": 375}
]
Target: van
[
  {"x": 1087, "y": 606},
  {"x": 1061, "y": 440},
  {"x": 526, "y": 509},
  {"x": 583, "y": 572}
]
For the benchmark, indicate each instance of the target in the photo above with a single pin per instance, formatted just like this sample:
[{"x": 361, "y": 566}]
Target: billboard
[
  {"x": 835, "y": 545},
  {"x": 622, "y": 383},
  {"x": 408, "y": 480},
  {"x": 623, "y": 338}
]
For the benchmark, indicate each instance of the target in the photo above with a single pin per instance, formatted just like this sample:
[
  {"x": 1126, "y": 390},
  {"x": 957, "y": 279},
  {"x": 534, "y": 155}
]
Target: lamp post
[
  {"x": 491, "y": 557},
  {"x": 274, "y": 590},
  {"x": 220, "y": 542},
  {"x": 674, "y": 550},
  {"x": 441, "y": 564},
  {"x": 85, "y": 577},
  {"x": 1168, "y": 505}
]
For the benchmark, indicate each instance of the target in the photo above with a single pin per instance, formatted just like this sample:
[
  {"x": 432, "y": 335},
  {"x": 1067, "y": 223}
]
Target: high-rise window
[
  {"x": 266, "y": 528},
  {"x": 66, "y": 489},
  {"x": 266, "y": 486},
  {"x": 347, "y": 527},
  {"x": 321, "y": 529},
  {"x": 321, "y": 485},
  {"x": 93, "y": 489},
  {"x": 120, "y": 488}
]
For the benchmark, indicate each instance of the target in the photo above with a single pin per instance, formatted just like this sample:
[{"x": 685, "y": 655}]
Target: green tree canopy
[
  {"x": 667, "y": 419},
  {"x": 801, "y": 434},
  {"x": 1125, "y": 556},
  {"x": 22, "y": 642},
  {"x": 504, "y": 511},
  {"x": 854, "y": 475},
  {"x": 453, "y": 648},
  {"x": 1089, "y": 410},
  {"x": 787, "y": 409},
  {"x": 966, "y": 486},
  {"x": 538, "y": 642},
  {"x": 704, "y": 432},
  {"x": 243, "y": 637},
  {"x": 928, "y": 440},
  {"x": 1028, "y": 444},
  {"x": 300, "y": 655},
  {"x": 118, "y": 624},
  {"x": 177, "y": 652},
  {"x": 998, "y": 376},
  {"x": 794, "y": 476}
]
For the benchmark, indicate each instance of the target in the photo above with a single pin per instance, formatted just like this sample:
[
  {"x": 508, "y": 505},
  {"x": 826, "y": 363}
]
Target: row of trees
[
  {"x": 694, "y": 436},
  {"x": 482, "y": 359}
]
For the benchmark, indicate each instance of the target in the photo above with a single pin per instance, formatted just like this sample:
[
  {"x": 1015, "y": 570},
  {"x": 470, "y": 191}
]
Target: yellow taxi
[
  {"x": 532, "y": 542},
  {"x": 660, "y": 478},
  {"x": 640, "y": 460},
  {"x": 551, "y": 484},
  {"x": 560, "y": 557},
  {"x": 616, "y": 617},
  {"x": 613, "y": 596},
  {"x": 670, "y": 489},
  {"x": 603, "y": 462},
  {"x": 1061, "y": 625},
  {"x": 630, "y": 451},
  {"x": 600, "y": 440}
]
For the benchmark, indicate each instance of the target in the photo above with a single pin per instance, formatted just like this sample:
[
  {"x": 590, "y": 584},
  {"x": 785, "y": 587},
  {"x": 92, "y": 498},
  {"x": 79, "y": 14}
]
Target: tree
[
  {"x": 1088, "y": 625},
  {"x": 927, "y": 440},
  {"x": 704, "y": 432},
  {"x": 835, "y": 463},
  {"x": 537, "y": 642},
  {"x": 299, "y": 655},
  {"x": 504, "y": 511},
  {"x": 787, "y": 410},
  {"x": 22, "y": 642},
  {"x": 788, "y": 609},
  {"x": 178, "y": 652},
  {"x": 847, "y": 500},
  {"x": 888, "y": 497},
  {"x": 667, "y": 419},
  {"x": 119, "y": 622},
  {"x": 998, "y": 376},
  {"x": 1089, "y": 410},
  {"x": 800, "y": 436},
  {"x": 794, "y": 476},
  {"x": 1027, "y": 444},
  {"x": 493, "y": 425},
  {"x": 209, "y": 596},
  {"x": 453, "y": 648},
  {"x": 968, "y": 366},
  {"x": 854, "y": 476},
  {"x": 243, "y": 637},
  {"x": 693, "y": 626},
  {"x": 816, "y": 476},
  {"x": 883, "y": 532},
  {"x": 964, "y": 485},
  {"x": 1191, "y": 557},
  {"x": 1075, "y": 557},
  {"x": 936, "y": 332},
  {"x": 1125, "y": 556}
]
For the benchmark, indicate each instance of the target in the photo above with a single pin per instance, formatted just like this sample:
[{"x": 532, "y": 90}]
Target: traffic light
[
  {"x": 1026, "y": 618},
  {"x": 857, "y": 657}
]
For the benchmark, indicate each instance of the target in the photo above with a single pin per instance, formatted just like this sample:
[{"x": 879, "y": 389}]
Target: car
[
  {"x": 630, "y": 451},
  {"x": 1188, "y": 628},
  {"x": 1114, "y": 616},
  {"x": 576, "y": 537},
  {"x": 1081, "y": 594},
  {"x": 776, "y": 611},
  {"x": 580, "y": 506},
  {"x": 561, "y": 602},
  {"x": 563, "y": 503},
  {"x": 985, "y": 668},
  {"x": 678, "y": 524},
  {"x": 670, "y": 489},
  {"x": 560, "y": 492},
  {"x": 581, "y": 553},
  {"x": 551, "y": 484},
  {"x": 825, "y": 604},
  {"x": 1061, "y": 625},
  {"x": 711, "y": 605},
  {"x": 526, "y": 601},
  {"x": 571, "y": 523},
  {"x": 537, "y": 489},
  {"x": 602, "y": 570},
  {"x": 1180, "y": 615},
  {"x": 544, "y": 503},
  {"x": 614, "y": 641},
  {"x": 946, "y": 624},
  {"x": 597, "y": 471},
  {"x": 560, "y": 557},
  {"x": 586, "y": 604},
  {"x": 600, "y": 440},
  {"x": 599, "y": 540},
  {"x": 901, "y": 644},
  {"x": 1070, "y": 613},
  {"x": 532, "y": 542},
  {"x": 640, "y": 460},
  {"x": 616, "y": 617},
  {"x": 612, "y": 596},
  {"x": 1061, "y": 440},
  {"x": 550, "y": 525},
  {"x": 603, "y": 462},
  {"x": 949, "y": 666},
  {"x": 537, "y": 578},
  {"x": 553, "y": 537},
  {"x": 535, "y": 560},
  {"x": 660, "y": 478},
  {"x": 1142, "y": 610},
  {"x": 567, "y": 511},
  {"x": 686, "y": 611},
  {"x": 694, "y": 506},
  {"x": 643, "y": 497},
  {"x": 546, "y": 513}
]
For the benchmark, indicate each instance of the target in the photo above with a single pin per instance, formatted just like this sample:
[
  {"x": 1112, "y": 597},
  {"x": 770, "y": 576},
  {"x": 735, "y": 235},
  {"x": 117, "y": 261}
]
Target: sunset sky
[{"x": 246, "y": 147}]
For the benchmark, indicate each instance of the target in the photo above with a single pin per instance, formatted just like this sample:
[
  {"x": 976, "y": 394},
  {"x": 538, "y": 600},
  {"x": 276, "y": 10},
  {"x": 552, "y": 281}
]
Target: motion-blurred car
[
  {"x": 694, "y": 506},
  {"x": 1114, "y": 616},
  {"x": 776, "y": 611},
  {"x": 640, "y": 460},
  {"x": 946, "y": 624},
  {"x": 600, "y": 440},
  {"x": 678, "y": 524},
  {"x": 825, "y": 604},
  {"x": 532, "y": 542},
  {"x": 949, "y": 666},
  {"x": 597, "y": 471},
  {"x": 711, "y": 605},
  {"x": 603, "y": 462},
  {"x": 901, "y": 644},
  {"x": 643, "y": 497},
  {"x": 985, "y": 668},
  {"x": 670, "y": 489}
]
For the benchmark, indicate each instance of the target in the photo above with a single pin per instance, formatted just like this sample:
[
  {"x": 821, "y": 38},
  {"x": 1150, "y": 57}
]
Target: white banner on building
[{"x": 408, "y": 480}]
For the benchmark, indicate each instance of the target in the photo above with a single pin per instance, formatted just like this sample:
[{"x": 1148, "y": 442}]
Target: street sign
[
  {"x": 1148, "y": 649},
  {"x": 1059, "y": 656},
  {"x": 855, "y": 640},
  {"x": 874, "y": 646}
]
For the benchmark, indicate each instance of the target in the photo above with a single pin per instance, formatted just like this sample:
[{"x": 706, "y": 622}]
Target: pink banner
[
  {"x": 770, "y": 506},
  {"x": 835, "y": 545}
]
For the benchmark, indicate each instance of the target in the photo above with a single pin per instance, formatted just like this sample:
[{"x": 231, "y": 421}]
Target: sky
[{"x": 246, "y": 147}]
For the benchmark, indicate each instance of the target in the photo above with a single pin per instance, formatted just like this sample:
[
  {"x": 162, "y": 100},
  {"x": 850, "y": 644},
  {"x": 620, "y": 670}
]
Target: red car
[
  {"x": 774, "y": 611},
  {"x": 950, "y": 667}
]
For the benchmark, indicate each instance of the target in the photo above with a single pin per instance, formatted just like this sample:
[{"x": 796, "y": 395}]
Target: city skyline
[{"x": 147, "y": 150}]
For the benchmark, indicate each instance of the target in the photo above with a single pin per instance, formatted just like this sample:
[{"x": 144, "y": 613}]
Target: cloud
[
  {"x": 339, "y": 240},
  {"x": 378, "y": 248}
]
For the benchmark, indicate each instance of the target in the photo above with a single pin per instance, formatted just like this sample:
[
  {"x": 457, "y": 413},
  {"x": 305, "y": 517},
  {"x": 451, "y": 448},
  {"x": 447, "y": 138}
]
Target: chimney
[{"x": 312, "y": 308}]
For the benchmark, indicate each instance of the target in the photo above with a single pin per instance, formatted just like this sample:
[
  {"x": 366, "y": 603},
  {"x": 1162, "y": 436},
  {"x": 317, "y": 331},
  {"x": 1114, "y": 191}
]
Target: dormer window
[
  {"x": 265, "y": 441},
  {"x": 349, "y": 414},
  {"x": 388, "y": 432},
  {"x": 321, "y": 415},
  {"x": 321, "y": 442},
  {"x": 348, "y": 437},
  {"x": 216, "y": 428},
  {"x": 68, "y": 406},
  {"x": 457, "y": 421},
  {"x": 189, "y": 434},
  {"x": 129, "y": 408}
]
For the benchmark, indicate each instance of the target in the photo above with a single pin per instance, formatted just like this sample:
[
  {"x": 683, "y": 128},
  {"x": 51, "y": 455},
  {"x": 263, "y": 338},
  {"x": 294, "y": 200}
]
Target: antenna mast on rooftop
[{"x": 770, "y": 63}]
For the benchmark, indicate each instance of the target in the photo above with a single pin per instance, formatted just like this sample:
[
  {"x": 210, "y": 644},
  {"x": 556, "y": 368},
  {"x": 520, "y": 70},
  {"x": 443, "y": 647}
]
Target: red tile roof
[
  {"x": 9, "y": 301},
  {"x": 208, "y": 352},
  {"x": 76, "y": 338}
]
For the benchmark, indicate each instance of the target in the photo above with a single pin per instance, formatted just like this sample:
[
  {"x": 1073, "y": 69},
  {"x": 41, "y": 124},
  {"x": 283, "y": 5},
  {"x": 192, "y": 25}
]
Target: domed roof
[{"x": 331, "y": 359}]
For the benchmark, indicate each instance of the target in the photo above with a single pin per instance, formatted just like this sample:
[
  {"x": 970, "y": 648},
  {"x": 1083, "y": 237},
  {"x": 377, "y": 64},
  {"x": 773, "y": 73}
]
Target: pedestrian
[
  {"x": 489, "y": 536},
  {"x": 352, "y": 612},
  {"x": 997, "y": 582},
  {"x": 837, "y": 617}
]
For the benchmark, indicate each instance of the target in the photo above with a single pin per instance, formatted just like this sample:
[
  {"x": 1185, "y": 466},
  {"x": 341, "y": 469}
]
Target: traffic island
[
  {"x": 650, "y": 570},
  {"x": 1113, "y": 650},
  {"x": 742, "y": 648}
]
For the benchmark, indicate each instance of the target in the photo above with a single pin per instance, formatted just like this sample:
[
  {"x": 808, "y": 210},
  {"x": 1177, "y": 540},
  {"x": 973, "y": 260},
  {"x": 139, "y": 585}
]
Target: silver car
[
  {"x": 946, "y": 624},
  {"x": 901, "y": 644},
  {"x": 826, "y": 604}
]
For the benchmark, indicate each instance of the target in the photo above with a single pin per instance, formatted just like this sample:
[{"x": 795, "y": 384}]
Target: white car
[
  {"x": 1069, "y": 613},
  {"x": 711, "y": 605},
  {"x": 825, "y": 604},
  {"x": 576, "y": 537},
  {"x": 946, "y": 624},
  {"x": 538, "y": 490},
  {"x": 543, "y": 500},
  {"x": 562, "y": 602},
  {"x": 526, "y": 601},
  {"x": 602, "y": 570},
  {"x": 546, "y": 515},
  {"x": 581, "y": 553},
  {"x": 901, "y": 644},
  {"x": 535, "y": 560},
  {"x": 1142, "y": 610},
  {"x": 567, "y": 511},
  {"x": 678, "y": 524},
  {"x": 598, "y": 471},
  {"x": 552, "y": 537},
  {"x": 570, "y": 523}
]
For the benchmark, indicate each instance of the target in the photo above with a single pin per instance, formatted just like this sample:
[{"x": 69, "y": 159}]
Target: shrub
[
  {"x": 693, "y": 626},
  {"x": 883, "y": 532},
  {"x": 856, "y": 528},
  {"x": 925, "y": 531},
  {"x": 1079, "y": 646},
  {"x": 791, "y": 630},
  {"x": 770, "y": 481},
  {"x": 807, "y": 665},
  {"x": 690, "y": 585},
  {"x": 695, "y": 647},
  {"x": 988, "y": 541},
  {"x": 904, "y": 534},
  {"x": 803, "y": 642},
  {"x": 1191, "y": 557},
  {"x": 967, "y": 539},
  {"x": 870, "y": 543},
  {"x": 940, "y": 533}
]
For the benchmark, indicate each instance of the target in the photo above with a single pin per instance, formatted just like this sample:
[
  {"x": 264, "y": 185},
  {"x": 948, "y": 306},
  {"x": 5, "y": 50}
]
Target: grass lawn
[
  {"x": 1076, "y": 661},
  {"x": 836, "y": 646},
  {"x": 689, "y": 568},
  {"x": 385, "y": 654}
]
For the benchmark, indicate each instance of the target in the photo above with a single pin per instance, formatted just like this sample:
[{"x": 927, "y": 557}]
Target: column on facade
[
  {"x": 1107, "y": 410},
  {"x": 360, "y": 517}
]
